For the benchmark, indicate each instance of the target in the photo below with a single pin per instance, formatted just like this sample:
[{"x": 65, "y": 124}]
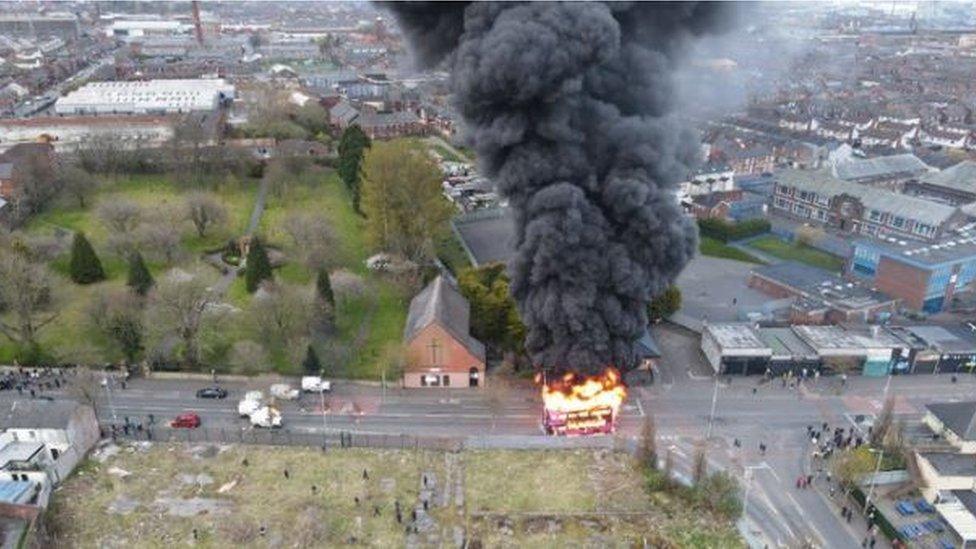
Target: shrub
[{"x": 726, "y": 231}]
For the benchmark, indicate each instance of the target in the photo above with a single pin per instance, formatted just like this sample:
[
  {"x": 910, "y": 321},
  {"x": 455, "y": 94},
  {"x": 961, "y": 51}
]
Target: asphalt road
[{"x": 778, "y": 513}]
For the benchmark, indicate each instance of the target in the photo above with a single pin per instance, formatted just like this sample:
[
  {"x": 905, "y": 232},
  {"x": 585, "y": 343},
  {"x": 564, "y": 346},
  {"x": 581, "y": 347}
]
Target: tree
[
  {"x": 85, "y": 267},
  {"x": 140, "y": 279},
  {"x": 85, "y": 387},
  {"x": 120, "y": 215},
  {"x": 352, "y": 147},
  {"x": 665, "y": 304},
  {"x": 809, "y": 235},
  {"x": 36, "y": 181},
  {"x": 248, "y": 357},
  {"x": 496, "y": 393},
  {"x": 190, "y": 149},
  {"x": 311, "y": 365},
  {"x": 180, "y": 304},
  {"x": 882, "y": 427},
  {"x": 406, "y": 212},
  {"x": 314, "y": 240},
  {"x": 204, "y": 211},
  {"x": 850, "y": 466},
  {"x": 258, "y": 267},
  {"x": 719, "y": 493},
  {"x": 494, "y": 315},
  {"x": 26, "y": 292},
  {"x": 281, "y": 315},
  {"x": 118, "y": 315},
  {"x": 699, "y": 468},
  {"x": 325, "y": 298},
  {"x": 647, "y": 449},
  {"x": 78, "y": 184},
  {"x": 313, "y": 117},
  {"x": 161, "y": 241}
]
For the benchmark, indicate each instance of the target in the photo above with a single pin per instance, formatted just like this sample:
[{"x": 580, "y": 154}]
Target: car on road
[
  {"x": 212, "y": 392},
  {"x": 315, "y": 384},
  {"x": 284, "y": 391},
  {"x": 186, "y": 420}
]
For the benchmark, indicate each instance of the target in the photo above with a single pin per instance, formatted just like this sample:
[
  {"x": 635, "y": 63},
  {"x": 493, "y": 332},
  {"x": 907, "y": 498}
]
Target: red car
[{"x": 188, "y": 420}]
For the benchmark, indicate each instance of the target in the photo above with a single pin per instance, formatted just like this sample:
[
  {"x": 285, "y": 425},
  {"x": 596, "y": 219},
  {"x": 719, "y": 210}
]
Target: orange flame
[{"x": 569, "y": 394}]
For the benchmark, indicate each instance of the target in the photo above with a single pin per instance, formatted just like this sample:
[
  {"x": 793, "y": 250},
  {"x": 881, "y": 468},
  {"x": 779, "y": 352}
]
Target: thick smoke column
[{"x": 568, "y": 106}]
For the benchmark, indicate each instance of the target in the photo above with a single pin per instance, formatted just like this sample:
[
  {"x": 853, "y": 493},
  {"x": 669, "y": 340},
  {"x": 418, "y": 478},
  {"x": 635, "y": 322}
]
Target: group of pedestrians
[{"x": 33, "y": 381}]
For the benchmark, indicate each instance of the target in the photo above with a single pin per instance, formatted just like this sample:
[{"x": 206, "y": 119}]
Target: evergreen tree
[
  {"x": 352, "y": 145},
  {"x": 311, "y": 364},
  {"x": 323, "y": 288},
  {"x": 258, "y": 268},
  {"x": 85, "y": 266},
  {"x": 140, "y": 279}
]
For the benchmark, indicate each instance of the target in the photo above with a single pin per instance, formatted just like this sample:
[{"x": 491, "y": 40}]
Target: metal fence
[{"x": 282, "y": 437}]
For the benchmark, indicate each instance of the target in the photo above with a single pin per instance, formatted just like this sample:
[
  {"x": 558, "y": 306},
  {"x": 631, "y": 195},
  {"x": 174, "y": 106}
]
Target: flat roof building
[
  {"x": 924, "y": 277},
  {"x": 146, "y": 97},
  {"x": 735, "y": 348}
]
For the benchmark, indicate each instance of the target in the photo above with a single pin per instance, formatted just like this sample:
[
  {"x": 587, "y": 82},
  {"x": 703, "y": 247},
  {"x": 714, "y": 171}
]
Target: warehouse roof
[
  {"x": 958, "y": 417},
  {"x": 909, "y": 207},
  {"x": 735, "y": 336},
  {"x": 146, "y": 95},
  {"x": 961, "y": 177},
  {"x": 880, "y": 167}
]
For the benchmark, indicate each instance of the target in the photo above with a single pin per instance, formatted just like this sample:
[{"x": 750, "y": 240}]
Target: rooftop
[
  {"x": 956, "y": 247},
  {"x": 440, "y": 302},
  {"x": 958, "y": 417},
  {"x": 37, "y": 414},
  {"x": 13, "y": 492},
  {"x": 735, "y": 336},
  {"x": 909, "y": 207},
  {"x": 488, "y": 235},
  {"x": 960, "y": 177},
  {"x": 952, "y": 464},
  {"x": 822, "y": 285},
  {"x": 880, "y": 167},
  {"x": 952, "y": 339},
  {"x": 19, "y": 452},
  {"x": 785, "y": 343},
  {"x": 825, "y": 338}
]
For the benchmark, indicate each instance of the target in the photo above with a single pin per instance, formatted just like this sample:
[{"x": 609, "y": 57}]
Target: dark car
[{"x": 212, "y": 392}]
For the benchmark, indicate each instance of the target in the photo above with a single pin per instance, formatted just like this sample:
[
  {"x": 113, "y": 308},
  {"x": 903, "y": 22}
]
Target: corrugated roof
[
  {"x": 879, "y": 167},
  {"x": 900, "y": 205},
  {"x": 440, "y": 302},
  {"x": 961, "y": 177}
]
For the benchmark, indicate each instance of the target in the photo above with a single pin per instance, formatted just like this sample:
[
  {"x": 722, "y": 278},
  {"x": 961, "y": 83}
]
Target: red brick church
[{"x": 440, "y": 350}]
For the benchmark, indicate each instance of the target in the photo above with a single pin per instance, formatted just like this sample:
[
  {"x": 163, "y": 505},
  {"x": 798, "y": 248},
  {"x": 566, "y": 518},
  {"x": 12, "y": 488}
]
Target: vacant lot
[
  {"x": 155, "y": 496},
  {"x": 777, "y": 247}
]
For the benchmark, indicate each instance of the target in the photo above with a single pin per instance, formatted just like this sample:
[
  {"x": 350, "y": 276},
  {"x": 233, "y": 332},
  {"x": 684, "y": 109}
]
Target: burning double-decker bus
[{"x": 582, "y": 406}]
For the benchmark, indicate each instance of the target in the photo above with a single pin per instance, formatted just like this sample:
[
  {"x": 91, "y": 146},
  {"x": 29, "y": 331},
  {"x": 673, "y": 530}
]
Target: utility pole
[{"x": 711, "y": 415}]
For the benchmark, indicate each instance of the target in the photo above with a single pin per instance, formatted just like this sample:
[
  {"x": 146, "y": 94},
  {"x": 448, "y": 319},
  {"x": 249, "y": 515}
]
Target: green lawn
[
  {"x": 716, "y": 248},
  {"x": 777, "y": 247}
]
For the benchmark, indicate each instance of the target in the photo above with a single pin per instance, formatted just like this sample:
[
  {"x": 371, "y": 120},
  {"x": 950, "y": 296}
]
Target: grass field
[
  {"x": 777, "y": 247},
  {"x": 508, "y": 499},
  {"x": 716, "y": 248}
]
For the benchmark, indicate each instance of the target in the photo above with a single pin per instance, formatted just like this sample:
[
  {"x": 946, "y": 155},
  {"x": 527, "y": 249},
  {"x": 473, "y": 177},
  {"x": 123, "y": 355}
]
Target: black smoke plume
[{"x": 569, "y": 107}]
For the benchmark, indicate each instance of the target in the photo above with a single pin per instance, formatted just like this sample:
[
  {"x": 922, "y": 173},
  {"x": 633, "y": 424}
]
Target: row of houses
[{"x": 748, "y": 349}]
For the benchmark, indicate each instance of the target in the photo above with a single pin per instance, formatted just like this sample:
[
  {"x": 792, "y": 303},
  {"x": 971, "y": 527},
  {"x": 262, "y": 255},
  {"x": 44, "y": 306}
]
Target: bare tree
[
  {"x": 160, "y": 241},
  {"x": 118, "y": 314},
  {"x": 347, "y": 285},
  {"x": 281, "y": 314},
  {"x": 77, "y": 183},
  {"x": 248, "y": 357},
  {"x": 882, "y": 426},
  {"x": 204, "y": 211},
  {"x": 180, "y": 304},
  {"x": 120, "y": 215},
  {"x": 314, "y": 239},
  {"x": 700, "y": 465},
  {"x": 647, "y": 450},
  {"x": 37, "y": 183},
  {"x": 27, "y": 293}
]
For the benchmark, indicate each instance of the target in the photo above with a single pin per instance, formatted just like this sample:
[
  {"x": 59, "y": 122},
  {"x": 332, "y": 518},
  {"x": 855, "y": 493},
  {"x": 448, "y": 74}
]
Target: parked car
[
  {"x": 186, "y": 420},
  {"x": 212, "y": 392},
  {"x": 315, "y": 384}
]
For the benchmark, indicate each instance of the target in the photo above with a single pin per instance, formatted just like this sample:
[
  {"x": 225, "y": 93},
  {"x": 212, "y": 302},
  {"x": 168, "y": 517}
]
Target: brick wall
[
  {"x": 453, "y": 358},
  {"x": 902, "y": 281},
  {"x": 770, "y": 288}
]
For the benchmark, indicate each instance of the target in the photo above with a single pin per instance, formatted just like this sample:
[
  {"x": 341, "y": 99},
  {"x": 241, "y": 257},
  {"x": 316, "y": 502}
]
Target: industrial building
[{"x": 147, "y": 97}]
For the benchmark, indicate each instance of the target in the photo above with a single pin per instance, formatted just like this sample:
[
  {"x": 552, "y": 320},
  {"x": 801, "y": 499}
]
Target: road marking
[{"x": 799, "y": 508}]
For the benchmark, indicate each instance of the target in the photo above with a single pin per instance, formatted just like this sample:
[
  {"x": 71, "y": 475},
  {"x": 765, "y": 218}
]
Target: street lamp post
[{"x": 111, "y": 404}]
